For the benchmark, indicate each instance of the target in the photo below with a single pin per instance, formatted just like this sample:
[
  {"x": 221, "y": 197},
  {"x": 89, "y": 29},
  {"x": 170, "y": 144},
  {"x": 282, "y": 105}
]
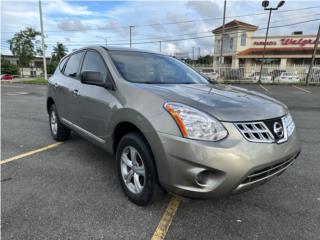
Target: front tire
[
  {"x": 136, "y": 170},
  {"x": 59, "y": 132}
]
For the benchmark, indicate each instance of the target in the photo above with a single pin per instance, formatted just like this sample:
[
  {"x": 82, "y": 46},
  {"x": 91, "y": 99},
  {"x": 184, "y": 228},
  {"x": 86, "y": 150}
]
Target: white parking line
[
  {"x": 264, "y": 88},
  {"x": 302, "y": 89},
  {"x": 16, "y": 93}
]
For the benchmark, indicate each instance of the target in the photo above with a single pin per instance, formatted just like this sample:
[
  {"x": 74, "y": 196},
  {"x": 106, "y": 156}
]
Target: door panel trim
[{"x": 89, "y": 134}]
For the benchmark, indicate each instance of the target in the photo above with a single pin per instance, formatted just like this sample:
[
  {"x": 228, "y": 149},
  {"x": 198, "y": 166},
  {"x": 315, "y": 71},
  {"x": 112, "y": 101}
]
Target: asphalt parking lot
[{"x": 71, "y": 191}]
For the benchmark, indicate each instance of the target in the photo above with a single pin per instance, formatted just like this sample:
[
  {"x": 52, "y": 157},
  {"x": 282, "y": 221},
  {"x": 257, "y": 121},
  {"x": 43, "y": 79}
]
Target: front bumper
[{"x": 202, "y": 169}]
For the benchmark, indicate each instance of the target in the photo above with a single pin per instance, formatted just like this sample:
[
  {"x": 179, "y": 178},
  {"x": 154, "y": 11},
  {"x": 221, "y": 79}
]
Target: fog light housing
[{"x": 203, "y": 178}]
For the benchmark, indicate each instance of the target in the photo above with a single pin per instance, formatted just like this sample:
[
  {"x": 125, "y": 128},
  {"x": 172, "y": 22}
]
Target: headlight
[
  {"x": 289, "y": 124},
  {"x": 195, "y": 124}
]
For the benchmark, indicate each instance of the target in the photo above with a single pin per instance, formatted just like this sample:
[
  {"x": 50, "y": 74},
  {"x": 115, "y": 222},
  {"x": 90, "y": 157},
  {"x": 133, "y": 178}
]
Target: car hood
[{"x": 226, "y": 103}]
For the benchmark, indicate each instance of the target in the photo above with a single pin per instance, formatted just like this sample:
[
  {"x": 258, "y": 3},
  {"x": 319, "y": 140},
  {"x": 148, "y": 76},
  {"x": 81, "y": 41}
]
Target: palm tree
[{"x": 59, "y": 51}]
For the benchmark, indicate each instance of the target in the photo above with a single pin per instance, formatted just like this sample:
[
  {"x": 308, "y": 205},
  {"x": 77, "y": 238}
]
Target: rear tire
[
  {"x": 59, "y": 132},
  {"x": 136, "y": 170}
]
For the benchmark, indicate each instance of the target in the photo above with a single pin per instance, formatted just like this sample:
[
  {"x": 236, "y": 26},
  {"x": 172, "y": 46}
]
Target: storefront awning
[{"x": 254, "y": 52}]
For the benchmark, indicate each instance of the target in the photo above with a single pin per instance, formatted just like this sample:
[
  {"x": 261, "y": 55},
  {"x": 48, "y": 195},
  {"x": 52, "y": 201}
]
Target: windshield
[{"x": 154, "y": 68}]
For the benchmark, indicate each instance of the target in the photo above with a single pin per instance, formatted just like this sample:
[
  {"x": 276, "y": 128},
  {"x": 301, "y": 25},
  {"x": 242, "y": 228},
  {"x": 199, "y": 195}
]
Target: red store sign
[
  {"x": 302, "y": 42},
  {"x": 288, "y": 41}
]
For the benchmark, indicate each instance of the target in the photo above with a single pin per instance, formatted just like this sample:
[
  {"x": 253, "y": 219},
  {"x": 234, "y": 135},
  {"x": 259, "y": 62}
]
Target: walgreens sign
[
  {"x": 301, "y": 42},
  {"x": 289, "y": 41}
]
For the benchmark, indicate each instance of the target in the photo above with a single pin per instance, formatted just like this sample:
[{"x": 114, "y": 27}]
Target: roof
[
  {"x": 278, "y": 51},
  {"x": 235, "y": 24}
]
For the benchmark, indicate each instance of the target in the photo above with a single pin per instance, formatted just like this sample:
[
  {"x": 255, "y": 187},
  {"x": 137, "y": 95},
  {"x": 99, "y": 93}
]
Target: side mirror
[{"x": 95, "y": 78}]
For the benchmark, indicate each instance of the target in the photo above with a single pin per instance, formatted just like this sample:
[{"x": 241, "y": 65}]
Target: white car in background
[
  {"x": 287, "y": 77},
  {"x": 210, "y": 73},
  {"x": 265, "y": 77}
]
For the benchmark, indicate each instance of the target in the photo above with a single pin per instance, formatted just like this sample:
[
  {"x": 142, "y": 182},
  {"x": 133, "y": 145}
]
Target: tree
[
  {"x": 8, "y": 68},
  {"x": 22, "y": 45},
  {"x": 59, "y": 51},
  {"x": 205, "y": 60},
  {"x": 51, "y": 67}
]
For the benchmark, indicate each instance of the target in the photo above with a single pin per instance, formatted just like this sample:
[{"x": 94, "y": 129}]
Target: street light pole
[
  {"x": 160, "y": 45},
  {"x": 130, "y": 34},
  {"x": 42, "y": 44},
  {"x": 313, "y": 56},
  {"x": 265, "y": 4},
  {"x": 104, "y": 38},
  {"x": 265, "y": 45}
]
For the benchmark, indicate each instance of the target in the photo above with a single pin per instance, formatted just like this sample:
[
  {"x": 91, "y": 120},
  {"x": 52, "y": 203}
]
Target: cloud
[
  {"x": 205, "y": 9},
  {"x": 63, "y": 7},
  {"x": 72, "y": 25},
  {"x": 112, "y": 21}
]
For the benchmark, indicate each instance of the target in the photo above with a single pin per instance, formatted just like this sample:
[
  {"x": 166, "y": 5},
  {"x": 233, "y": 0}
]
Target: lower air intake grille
[{"x": 267, "y": 172}]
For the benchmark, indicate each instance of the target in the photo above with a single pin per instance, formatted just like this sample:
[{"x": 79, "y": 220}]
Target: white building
[
  {"x": 35, "y": 68},
  {"x": 241, "y": 47}
]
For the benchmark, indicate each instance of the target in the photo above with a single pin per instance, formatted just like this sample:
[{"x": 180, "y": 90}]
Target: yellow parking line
[
  {"x": 166, "y": 219},
  {"x": 302, "y": 89},
  {"x": 264, "y": 88},
  {"x": 29, "y": 153}
]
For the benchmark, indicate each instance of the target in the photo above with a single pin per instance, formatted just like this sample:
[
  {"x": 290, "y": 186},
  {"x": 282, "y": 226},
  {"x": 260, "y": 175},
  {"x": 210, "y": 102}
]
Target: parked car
[
  {"x": 276, "y": 73},
  {"x": 287, "y": 77},
  {"x": 233, "y": 74},
  {"x": 167, "y": 126},
  {"x": 265, "y": 77},
  {"x": 211, "y": 74},
  {"x": 6, "y": 77}
]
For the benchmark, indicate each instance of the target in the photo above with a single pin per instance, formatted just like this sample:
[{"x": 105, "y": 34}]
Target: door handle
[{"x": 76, "y": 92}]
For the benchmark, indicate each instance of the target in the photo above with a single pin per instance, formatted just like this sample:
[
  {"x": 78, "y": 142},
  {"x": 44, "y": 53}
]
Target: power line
[
  {"x": 192, "y": 38},
  {"x": 177, "y": 22},
  {"x": 186, "y": 34}
]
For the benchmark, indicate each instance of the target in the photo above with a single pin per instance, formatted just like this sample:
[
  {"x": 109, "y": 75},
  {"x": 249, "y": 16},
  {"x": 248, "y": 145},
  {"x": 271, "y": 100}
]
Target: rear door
[{"x": 70, "y": 81}]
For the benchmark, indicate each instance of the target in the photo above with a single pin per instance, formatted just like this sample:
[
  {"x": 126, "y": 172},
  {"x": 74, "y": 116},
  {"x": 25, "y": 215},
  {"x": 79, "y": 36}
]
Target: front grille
[
  {"x": 255, "y": 132},
  {"x": 267, "y": 172}
]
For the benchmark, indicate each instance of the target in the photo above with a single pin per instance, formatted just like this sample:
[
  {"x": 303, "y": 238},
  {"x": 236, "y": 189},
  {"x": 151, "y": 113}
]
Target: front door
[{"x": 94, "y": 103}]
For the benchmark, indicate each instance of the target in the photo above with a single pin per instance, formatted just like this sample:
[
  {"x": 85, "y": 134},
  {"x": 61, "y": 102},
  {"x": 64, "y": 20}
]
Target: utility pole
[
  {"x": 130, "y": 34},
  {"x": 160, "y": 45},
  {"x": 265, "y": 5},
  {"x": 313, "y": 56},
  {"x": 42, "y": 43},
  {"x": 222, "y": 35},
  {"x": 192, "y": 55}
]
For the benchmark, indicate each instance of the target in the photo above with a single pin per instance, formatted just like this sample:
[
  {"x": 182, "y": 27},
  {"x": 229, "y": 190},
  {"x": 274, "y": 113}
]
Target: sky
[{"x": 81, "y": 23}]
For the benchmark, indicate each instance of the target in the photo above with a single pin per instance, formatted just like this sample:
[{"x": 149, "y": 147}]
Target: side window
[
  {"x": 62, "y": 63},
  {"x": 243, "y": 39},
  {"x": 94, "y": 62},
  {"x": 72, "y": 66}
]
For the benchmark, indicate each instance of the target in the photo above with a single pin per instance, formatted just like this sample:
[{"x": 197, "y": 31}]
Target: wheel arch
[{"x": 50, "y": 102}]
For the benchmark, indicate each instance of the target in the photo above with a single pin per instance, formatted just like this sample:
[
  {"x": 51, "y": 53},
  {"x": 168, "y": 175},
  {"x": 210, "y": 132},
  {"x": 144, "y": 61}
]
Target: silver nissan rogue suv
[{"x": 168, "y": 127}]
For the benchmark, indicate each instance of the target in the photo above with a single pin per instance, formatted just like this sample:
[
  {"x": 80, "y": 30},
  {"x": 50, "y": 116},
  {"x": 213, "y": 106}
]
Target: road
[{"x": 72, "y": 191}]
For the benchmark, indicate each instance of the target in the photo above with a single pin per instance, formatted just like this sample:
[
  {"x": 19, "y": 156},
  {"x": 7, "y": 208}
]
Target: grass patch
[{"x": 39, "y": 81}]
